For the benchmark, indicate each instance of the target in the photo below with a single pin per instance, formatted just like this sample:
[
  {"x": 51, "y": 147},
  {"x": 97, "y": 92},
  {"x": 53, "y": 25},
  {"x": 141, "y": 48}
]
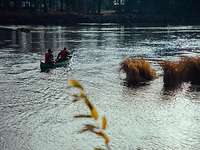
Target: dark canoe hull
[{"x": 46, "y": 67}]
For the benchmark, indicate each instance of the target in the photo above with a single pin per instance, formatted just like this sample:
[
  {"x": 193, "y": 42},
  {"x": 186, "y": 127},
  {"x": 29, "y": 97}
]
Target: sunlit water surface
[{"x": 37, "y": 114}]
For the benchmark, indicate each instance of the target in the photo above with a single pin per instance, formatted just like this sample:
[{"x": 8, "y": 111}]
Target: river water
[{"x": 37, "y": 114}]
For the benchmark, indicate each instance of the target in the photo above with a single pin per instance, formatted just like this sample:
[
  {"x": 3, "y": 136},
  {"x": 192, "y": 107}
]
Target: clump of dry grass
[
  {"x": 101, "y": 123},
  {"x": 137, "y": 70},
  {"x": 187, "y": 69}
]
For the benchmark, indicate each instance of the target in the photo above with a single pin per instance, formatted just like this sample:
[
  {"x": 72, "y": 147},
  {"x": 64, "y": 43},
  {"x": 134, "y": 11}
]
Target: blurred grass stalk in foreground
[{"x": 100, "y": 127}]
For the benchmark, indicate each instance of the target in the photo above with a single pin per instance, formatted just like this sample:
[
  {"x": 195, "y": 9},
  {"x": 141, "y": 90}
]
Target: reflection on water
[{"x": 36, "y": 113}]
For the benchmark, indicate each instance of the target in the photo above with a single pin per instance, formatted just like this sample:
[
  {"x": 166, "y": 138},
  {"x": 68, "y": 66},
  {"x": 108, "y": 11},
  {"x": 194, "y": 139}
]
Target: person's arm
[
  {"x": 58, "y": 55},
  {"x": 68, "y": 53},
  {"x": 46, "y": 58},
  {"x": 52, "y": 57}
]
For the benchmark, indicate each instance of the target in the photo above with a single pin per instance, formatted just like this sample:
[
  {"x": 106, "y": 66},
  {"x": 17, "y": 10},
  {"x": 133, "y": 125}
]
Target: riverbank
[{"x": 35, "y": 18}]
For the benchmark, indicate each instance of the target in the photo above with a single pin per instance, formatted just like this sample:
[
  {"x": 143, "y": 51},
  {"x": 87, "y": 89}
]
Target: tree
[
  {"x": 62, "y": 5},
  {"x": 6, "y": 4},
  {"x": 17, "y": 4},
  {"x": 99, "y": 6},
  {"x": 45, "y": 5}
]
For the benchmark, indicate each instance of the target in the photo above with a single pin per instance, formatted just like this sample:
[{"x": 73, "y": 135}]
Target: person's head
[
  {"x": 65, "y": 49},
  {"x": 49, "y": 50}
]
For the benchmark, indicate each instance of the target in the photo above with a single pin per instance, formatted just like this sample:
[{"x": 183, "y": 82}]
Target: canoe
[{"x": 46, "y": 67}]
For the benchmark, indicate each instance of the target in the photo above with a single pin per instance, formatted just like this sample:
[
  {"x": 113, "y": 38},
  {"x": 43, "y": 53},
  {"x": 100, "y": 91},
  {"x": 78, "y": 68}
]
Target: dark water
[{"x": 37, "y": 114}]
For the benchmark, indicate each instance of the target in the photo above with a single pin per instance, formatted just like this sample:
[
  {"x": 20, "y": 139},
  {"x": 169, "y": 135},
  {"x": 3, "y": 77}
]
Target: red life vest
[
  {"x": 63, "y": 54},
  {"x": 48, "y": 58}
]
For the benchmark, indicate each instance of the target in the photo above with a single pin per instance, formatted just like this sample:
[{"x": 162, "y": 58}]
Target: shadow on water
[
  {"x": 136, "y": 85},
  {"x": 39, "y": 39},
  {"x": 167, "y": 93},
  {"x": 195, "y": 88}
]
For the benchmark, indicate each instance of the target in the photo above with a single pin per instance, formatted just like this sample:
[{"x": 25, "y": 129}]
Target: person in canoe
[
  {"x": 49, "y": 57},
  {"x": 63, "y": 55}
]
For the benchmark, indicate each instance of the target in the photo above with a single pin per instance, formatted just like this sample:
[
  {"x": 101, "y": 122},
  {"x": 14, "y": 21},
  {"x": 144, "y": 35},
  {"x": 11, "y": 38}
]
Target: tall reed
[
  {"x": 137, "y": 70},
  {"x": 187, "y": 69},
  {"x": 101, "y": 123}
]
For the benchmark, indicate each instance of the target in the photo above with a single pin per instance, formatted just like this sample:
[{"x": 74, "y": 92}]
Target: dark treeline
[
  {"x": 128, "y": 11},
  {"x": 161, "y": 7},
  {"x": 70, "y": 6}
]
